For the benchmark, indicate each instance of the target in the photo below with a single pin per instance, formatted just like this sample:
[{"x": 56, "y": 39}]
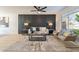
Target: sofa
[
  {"x": 65, "y": 35},
  {"x": 69, "y": 39},
  {"x": 38, "y": 30}
]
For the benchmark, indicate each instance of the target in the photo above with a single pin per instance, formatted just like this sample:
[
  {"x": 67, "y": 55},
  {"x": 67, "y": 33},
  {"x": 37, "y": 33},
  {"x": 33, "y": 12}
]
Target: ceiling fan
[{"x": 39, "y": 9}]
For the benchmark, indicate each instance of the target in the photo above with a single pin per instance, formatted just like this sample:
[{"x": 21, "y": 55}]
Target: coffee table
[{"x": 37, "y": 37}]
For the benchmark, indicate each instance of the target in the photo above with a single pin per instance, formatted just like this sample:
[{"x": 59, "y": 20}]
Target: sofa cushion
[{"x": 66, "y": 34}]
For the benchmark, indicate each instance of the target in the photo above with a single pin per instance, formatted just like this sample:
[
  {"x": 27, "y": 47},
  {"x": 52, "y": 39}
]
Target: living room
[{"x": 24, "y": 24}]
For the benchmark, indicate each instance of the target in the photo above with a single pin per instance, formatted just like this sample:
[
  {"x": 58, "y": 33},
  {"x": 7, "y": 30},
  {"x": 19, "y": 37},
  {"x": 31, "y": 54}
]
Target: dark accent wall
[{"x": 36, "y": 21}]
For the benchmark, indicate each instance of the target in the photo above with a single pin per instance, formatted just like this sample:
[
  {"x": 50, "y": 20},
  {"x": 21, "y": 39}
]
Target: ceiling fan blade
[
  {"x": 43, "y": 11},
  {"x": 43, "y": 8},
  {"x": 36, "y": 7}
]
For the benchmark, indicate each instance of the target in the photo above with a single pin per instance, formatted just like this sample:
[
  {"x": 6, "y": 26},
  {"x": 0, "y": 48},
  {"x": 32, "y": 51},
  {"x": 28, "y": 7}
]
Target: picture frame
[{"x": 4, "y": 21}]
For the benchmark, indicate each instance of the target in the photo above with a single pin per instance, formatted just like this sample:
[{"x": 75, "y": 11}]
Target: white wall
[
  {"x": 13, "y": 22},
  {"x": 12, "y": 13}
]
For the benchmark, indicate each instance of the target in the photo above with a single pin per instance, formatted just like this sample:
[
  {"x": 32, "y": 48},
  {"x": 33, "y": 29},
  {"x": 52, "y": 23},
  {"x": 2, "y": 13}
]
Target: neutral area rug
[{"x": 50, "y": 45}]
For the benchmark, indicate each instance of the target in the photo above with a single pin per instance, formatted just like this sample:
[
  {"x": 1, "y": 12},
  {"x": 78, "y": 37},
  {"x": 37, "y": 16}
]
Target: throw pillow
[
  {"x": 37, "y": 29},
  {"x": 66, "y": 33}
]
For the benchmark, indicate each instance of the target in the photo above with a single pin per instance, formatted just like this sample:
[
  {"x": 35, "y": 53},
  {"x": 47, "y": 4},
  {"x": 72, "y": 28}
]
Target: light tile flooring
[{"x": 21, "y": 43}]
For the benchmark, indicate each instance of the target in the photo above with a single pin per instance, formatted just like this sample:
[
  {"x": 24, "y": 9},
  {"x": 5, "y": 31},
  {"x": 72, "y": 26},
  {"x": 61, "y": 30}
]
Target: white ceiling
[
  {"x": 54, "y": 8},
  {"x": 49, "y": 9}
]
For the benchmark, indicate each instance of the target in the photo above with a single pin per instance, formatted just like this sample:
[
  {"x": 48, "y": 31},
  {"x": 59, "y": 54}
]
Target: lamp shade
[
  {"x": 26, "y": 24},
  {"x": 50, "y": 24}
]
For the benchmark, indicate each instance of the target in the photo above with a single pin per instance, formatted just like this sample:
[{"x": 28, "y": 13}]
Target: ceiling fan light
[{"x": 39, "y": 12}]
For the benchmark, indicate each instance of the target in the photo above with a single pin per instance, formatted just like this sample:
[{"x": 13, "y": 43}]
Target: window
[{"x": 72, "y": 22}]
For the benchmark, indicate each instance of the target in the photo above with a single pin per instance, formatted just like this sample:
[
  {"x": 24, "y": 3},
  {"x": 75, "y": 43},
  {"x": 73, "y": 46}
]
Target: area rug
[{"x": 50, "y": 45}]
